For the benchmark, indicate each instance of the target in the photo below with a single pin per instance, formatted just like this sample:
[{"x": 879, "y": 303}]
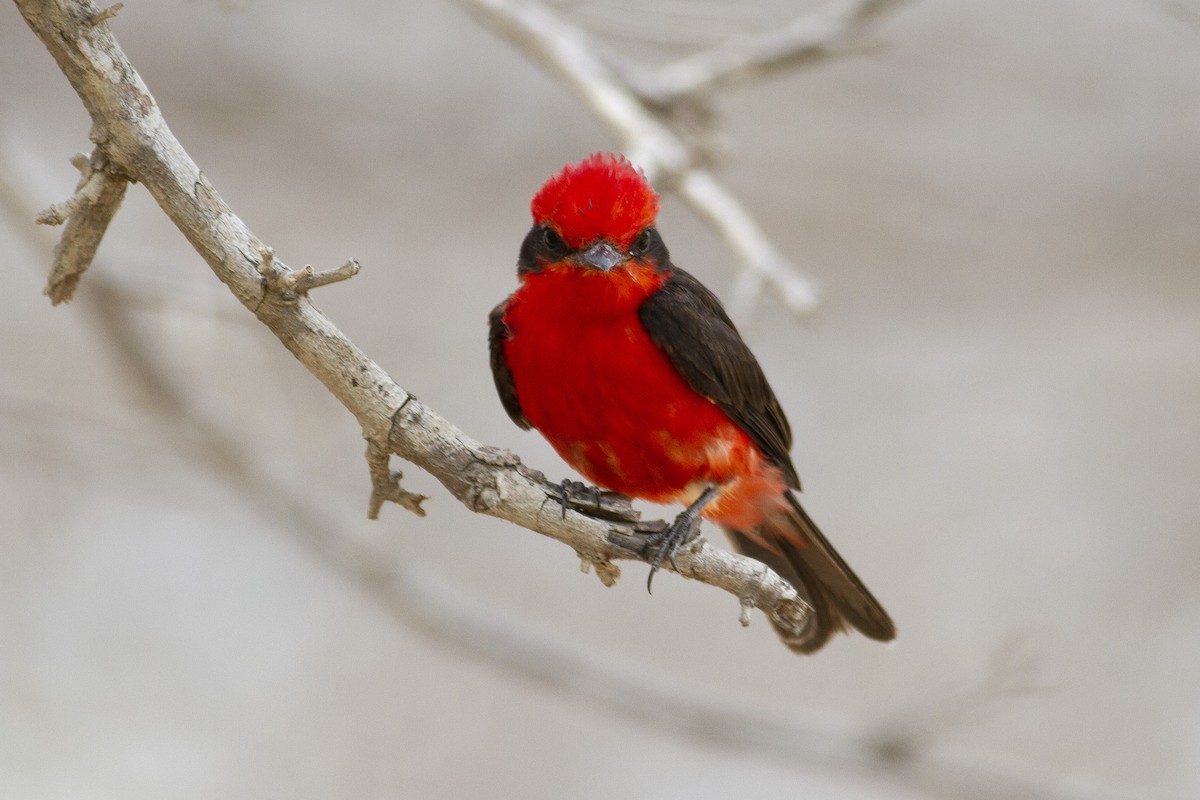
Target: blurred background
[{"x": 996, "y": 408}]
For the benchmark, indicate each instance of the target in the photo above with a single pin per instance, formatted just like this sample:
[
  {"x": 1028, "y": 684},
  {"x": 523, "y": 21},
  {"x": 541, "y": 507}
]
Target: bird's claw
[
  {"x": 678, "y": 533},
  {"x": 570, "y": 490},
  {"x": 668, "y": 542}
]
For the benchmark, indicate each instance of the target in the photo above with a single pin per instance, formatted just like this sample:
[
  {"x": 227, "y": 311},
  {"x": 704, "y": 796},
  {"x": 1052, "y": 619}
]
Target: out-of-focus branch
[
  {"x": 132, "y": 135},
  {"x": 713, "y": 203},
  {"x": 568, "y": 51},
  {"x": 807, "y": 39},
  {"x": 137, "y": 137}
]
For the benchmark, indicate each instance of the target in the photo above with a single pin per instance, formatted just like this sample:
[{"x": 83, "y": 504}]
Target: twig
[
  {"x": 139, "y": 143},
  {"x": 807, "y": 39},
  {"x": 568, "y": 52},
  {"x": 87, "y": 213},
  {"x": 710, "y": 200},
  {"x": 310, "y": 280},
  {"x": 291, "y": 284},
  {"x": 106, "y": 14},
  {"x": 385, "y": 484}
]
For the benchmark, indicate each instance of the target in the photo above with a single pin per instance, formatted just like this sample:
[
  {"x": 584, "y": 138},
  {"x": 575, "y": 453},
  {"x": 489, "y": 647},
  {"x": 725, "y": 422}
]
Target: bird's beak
[{"x": 602, "y": 255}]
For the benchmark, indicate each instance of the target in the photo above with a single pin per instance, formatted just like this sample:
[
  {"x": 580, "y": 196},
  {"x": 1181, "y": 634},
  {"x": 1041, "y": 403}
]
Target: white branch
[
  {"x": 712, "y": 202},
  {"x": 807, "y": 39},
  {"x": 569, "y": 52},
  {"x": 130, "y": 131}
]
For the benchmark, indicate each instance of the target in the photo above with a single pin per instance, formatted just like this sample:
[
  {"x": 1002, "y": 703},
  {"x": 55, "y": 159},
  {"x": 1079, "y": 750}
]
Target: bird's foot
[
  {"x": 573, "y": 493},
  {"x": 590, "y": 500},
  {"x": 685, "y": 527},
  {"x": 667, "y": 542}
]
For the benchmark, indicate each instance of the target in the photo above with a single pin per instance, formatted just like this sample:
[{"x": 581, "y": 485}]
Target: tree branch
[
  {"x": 87, "y": 213},
  {"x": 131, "y": 134},
  {"x": 810, "y": 38}
]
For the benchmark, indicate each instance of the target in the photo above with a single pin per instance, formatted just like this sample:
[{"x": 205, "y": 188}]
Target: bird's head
[{"x": 595, "y": 215}]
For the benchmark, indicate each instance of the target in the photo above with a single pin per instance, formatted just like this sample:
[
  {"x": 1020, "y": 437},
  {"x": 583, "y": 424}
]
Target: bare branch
[
  {"x": 713, "y": 202},
  {"x": 85, "y": 193},
  {"x": 138, "y": 142},
  {"x": 106, "y": 14},
  {"x": 494, "y": 482},
  {"x": 87, "y": 213},
  {"x": 290, "y": 284},
  {"x": 807, "y": 39},
  {"x": 310, "y": 280},
  {"x": 567, "y": 51},
  {"x": 385, "y": 484}
]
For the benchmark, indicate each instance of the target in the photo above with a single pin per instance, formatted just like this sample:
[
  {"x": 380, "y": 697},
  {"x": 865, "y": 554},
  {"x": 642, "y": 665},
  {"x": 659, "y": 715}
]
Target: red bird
[{"x": 634, "y": 373}]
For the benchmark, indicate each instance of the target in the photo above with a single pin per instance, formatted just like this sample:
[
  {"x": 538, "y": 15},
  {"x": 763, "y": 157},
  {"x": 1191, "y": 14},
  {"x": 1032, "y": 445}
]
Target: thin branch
[
  {"x": 136, "y": 139},
  {"x": 712, "y": 202},
  {"x": 567, "y": 51},
  {"x": 808, "y": 39},
  {"x": 107, "y": 14},
  {"x": 290, "y": 284},
  {"x": 570, "y": 53},
  {"x": 310, "y": 280},
  {"x": 385, "y": 484},
  {"x": 87, "y": 213}
]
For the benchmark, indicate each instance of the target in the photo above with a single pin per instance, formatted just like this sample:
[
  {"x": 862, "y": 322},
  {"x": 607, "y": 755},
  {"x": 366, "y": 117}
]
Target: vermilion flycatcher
[{"x": 634, "y": 373}]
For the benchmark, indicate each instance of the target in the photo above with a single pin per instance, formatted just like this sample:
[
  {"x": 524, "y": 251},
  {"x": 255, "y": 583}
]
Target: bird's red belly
[{"x": 613, "y": 406}]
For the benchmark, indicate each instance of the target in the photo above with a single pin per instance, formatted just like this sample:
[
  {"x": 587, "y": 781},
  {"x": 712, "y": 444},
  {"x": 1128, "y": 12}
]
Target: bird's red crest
[{"x": 601, "y": 197}]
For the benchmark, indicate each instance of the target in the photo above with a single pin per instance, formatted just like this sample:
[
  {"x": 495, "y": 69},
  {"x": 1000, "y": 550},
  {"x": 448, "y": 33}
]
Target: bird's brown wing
[
  {"x": 688, "y": 323},
  {"x": 501, "y": 374}
]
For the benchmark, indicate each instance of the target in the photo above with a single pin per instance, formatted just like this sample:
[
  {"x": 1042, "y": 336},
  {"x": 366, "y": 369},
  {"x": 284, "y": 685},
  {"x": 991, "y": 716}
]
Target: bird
[{"x": 635, "y": 374}]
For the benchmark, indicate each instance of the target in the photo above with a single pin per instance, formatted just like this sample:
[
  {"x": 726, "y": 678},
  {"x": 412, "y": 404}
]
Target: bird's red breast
[{"x": 609, "y": 401}]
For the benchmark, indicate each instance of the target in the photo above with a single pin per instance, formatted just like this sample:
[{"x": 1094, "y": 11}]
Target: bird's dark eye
[
  {"x": 552, "y": 241},
  {"x": 642, "y": 243}
]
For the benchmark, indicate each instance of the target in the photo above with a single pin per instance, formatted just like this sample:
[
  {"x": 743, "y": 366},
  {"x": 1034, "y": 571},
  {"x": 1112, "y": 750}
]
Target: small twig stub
[{"x": 87, "y": 214}]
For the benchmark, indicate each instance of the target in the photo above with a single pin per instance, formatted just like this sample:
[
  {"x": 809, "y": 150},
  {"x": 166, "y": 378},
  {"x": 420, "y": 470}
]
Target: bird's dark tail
[{"x": 793, "y": 546}]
